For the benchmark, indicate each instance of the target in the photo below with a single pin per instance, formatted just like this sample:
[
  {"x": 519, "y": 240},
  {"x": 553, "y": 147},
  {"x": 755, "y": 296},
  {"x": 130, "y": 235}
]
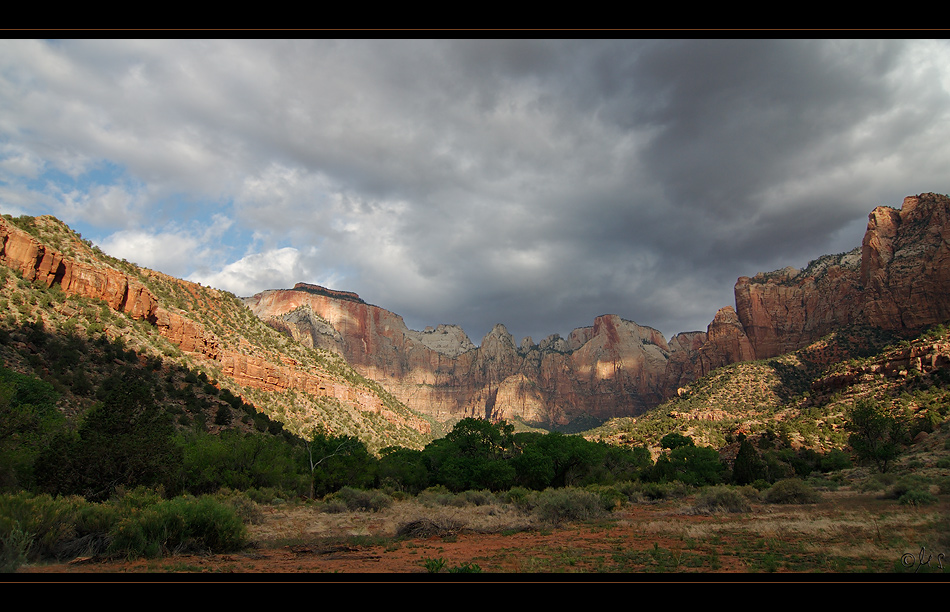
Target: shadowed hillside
[{"x": 55, "y": 285}]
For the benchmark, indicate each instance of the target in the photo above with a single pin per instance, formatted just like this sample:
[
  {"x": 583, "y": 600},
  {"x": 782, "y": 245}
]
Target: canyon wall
[
  {"x": 612, "y": 368},
  {"x": 37, "y": 262},
  {"x": 899, "y": 279}
]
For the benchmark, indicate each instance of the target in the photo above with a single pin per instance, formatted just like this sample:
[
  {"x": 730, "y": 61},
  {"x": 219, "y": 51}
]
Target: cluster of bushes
[
  {"x": 138, "y": 523},
  {"x": 760, "y": 467}
]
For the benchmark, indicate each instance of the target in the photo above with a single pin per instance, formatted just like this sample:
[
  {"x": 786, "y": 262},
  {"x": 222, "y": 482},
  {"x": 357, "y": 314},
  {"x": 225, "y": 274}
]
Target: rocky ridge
[
  {"x": 899, "y": 279},
  {"x": 135, "y": 292}
]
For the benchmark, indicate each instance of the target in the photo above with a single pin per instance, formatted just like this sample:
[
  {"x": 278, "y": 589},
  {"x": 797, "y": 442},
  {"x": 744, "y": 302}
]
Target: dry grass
[
  {"x": 304, "y": 522},
  {"x": 846, "y": 532}
]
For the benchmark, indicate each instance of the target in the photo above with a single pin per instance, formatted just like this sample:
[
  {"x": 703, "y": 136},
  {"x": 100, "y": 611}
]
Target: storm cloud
[{"x": 532, "y": 183}]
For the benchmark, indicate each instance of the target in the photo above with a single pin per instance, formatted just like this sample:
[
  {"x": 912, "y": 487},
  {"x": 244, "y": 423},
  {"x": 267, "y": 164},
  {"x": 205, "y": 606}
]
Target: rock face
[
  {"x": 37, "y": 262},
  {"x": 898, "y": 279},
  {"x": 615, "y": 367}
]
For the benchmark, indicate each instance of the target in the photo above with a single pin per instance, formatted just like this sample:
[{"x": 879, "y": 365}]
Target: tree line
[{"x": 129, "y": 439}]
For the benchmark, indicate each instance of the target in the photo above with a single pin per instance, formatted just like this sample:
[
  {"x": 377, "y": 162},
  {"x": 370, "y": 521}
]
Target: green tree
[
  {"x": 675, "y": 440},
  {"x": 876, "y": 434},
  {"x": 240, "y": 461},
  {"x": 403, "y": 468},
  {"x": 572, "y": 457},
  {"x": 125, "y": 439},
  {"x": 534, "y": 468},
  {"x": 474, "y": 455},
  {"x": 685, "y": 462},
  {"x": 748, "y": 466},
  {"x": 336, "y": 462},
  {"x": 481, "y": 438},
  {"x": 29, "y": 420}
]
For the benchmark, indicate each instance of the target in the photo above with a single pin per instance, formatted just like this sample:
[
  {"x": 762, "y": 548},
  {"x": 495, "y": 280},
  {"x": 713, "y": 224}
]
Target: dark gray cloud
[{"x": 533, "y": 183}]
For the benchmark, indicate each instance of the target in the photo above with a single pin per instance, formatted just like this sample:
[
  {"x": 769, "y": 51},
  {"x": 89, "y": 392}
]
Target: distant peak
[{"x": 318, "y": 290}]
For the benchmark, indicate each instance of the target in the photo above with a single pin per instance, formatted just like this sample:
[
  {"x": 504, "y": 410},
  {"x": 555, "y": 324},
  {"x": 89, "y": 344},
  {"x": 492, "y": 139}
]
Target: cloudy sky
[{"x": 532, "y": 183}]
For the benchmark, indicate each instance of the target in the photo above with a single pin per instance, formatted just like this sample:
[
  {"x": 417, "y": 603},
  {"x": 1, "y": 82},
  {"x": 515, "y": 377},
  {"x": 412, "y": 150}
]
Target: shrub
[
  {"x": 14, "y": 547},
  {"x": 242, "y": 504},
  {"x": 693, "y": 465},
  {"x": 437, "y": 495},
  {"x": 834, "y": 461},
  {"x": 48, "y": 521},
  {"x": 721, "y": 499},
  {"x": 520, "y": 497},
  {"x": 358, "y": 499},
  {"x": 179, "y": 525},
  {"x": 434, "y": 566},
  {"x": 223, "y": 416},
  {"x": 876, "y": 433},
  {"x": 557, "y": 506},
  {"x": 474, "y": 498},
  {"x": 655, "y": 491},
  {"x": 916, "y": 497},
  {"x": 611, "y": 497},
  {"x": 791, "y": 491},
  {"x": 334, "y": 505}
]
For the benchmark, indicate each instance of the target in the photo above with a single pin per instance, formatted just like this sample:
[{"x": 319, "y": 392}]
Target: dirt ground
[{"x": 845, "y": 533}]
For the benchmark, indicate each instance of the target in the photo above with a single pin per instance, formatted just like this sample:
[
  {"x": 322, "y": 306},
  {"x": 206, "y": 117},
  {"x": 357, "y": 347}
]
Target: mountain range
[
  {"x": 897, "y": 280},
  {"x": 316, "y": 357}
]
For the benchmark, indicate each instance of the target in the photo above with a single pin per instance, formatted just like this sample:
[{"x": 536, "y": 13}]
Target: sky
[{"x": 534, "y": 183}]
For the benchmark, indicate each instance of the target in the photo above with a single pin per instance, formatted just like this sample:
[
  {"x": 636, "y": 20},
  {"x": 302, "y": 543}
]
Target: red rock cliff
[
  {"x": 614, "y": 368},
  {"x": 898, "y": 280},
  {"x": 37, "y": 262}
]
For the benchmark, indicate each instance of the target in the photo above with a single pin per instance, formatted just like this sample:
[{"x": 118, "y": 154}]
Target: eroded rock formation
[
  {"x": 38, "y": 262},
  {"x": 614, "y": 367},
  {"x": 898, "y": 279}
]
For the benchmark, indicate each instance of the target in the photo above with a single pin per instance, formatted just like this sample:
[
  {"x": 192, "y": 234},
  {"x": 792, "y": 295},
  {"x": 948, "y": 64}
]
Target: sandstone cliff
[
  {"x": 90, "y": 276},
  {"x": 614, "y": 367},
  {"x": 898, "y": 279}
]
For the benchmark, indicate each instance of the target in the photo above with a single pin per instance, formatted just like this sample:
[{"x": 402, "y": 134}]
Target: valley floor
[{"x": 847, "y": 532}]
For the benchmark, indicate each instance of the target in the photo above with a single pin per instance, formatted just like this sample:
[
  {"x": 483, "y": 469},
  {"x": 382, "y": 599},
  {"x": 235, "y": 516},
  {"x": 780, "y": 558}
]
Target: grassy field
[{"x": 847, "y": 531}]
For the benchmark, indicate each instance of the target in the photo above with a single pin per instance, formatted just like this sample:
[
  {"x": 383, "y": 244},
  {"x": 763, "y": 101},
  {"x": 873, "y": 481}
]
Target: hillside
[
  {"x": 801, "y": 400},
  {"x": 314, "y": 358},
  {"x": 57, "y": 288},
  {"x": 897, "y": 282}
]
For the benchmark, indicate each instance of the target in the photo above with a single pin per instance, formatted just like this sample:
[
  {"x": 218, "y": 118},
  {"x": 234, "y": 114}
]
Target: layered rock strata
[
  {"x": 37, "y": 262},
  {"x": 898, "y": 279},
  {"x": 614, "y": 367}
]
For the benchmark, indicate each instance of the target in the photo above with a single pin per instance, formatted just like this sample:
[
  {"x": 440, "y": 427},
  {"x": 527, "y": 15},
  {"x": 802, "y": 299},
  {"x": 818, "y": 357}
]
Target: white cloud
[
  {"x": 170, "y": 252},
  {"x": 272, "y": 269},
  {"x": 561, "y": 179}
]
